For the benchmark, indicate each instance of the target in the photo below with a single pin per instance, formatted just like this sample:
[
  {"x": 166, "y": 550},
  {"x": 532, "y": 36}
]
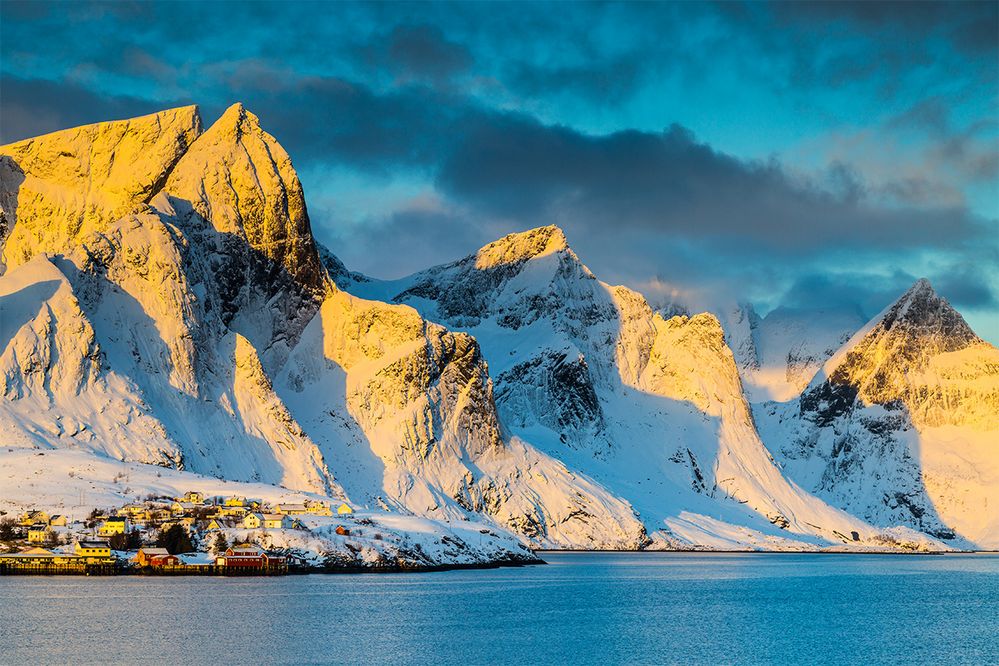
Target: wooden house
[
  {"x": 344, "y": 510},
  {"x": 252, "y": 521},
  {"x": 193, "y": 497},
  {"x": 276, "y": 521},
  {"x": 94, "y": 551},
  {"x": 113, "y": 525},
  {"x": 39, "y": 533}
]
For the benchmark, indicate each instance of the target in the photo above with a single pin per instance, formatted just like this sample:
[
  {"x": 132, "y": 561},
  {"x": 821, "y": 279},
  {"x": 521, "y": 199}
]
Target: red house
[
  {"x": 156, "y": 557},
  {"x": 249, "y": 556}
]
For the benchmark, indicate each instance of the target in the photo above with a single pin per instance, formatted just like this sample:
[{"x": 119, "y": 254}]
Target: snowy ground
[{"x": 72, "y": 483}]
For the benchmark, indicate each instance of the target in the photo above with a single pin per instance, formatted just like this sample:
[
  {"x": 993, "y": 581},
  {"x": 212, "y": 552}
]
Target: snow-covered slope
[
  {"x": 651, "y": 408},
  {"x": 901, "y": 425}
]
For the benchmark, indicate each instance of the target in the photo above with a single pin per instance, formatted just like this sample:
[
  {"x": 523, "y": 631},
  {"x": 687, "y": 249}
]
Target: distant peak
[{"x": 522, "y": 246}]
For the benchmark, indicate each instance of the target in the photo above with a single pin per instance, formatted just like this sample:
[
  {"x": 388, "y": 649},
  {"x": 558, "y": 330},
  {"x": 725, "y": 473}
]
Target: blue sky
[{"x": 798, "y": 153}]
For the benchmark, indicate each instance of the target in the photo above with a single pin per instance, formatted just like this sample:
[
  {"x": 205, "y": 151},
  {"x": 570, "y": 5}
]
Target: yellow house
[
  {"x": 38, "y": 533},
  {"x": 113, "y": 525},
  {"x": 235, "y": 511},
  {"x": 181, "y": 508},
  {"x": 320, "y": 508},
  {"x": 193, "y": 497},
  {"x": 214, "y": 524},
  {"x": 58, "y": 520},
  {"x": 235, "y": 501},
  {"x": 344, "y": 509},
  {"x": 32, "y": 517},
  {"x": 94, "y": 552},
  {"x": 277, "y": 521},
  {"x": 252, "y": 521}
]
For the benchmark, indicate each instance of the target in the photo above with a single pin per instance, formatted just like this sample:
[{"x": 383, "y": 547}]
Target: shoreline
[
  {"x": 298, "y": 571},
  {"x": 776, "y": 552}
]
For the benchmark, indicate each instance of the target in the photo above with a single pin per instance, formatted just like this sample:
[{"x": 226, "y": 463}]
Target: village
[{"x": 190, "y": 534}]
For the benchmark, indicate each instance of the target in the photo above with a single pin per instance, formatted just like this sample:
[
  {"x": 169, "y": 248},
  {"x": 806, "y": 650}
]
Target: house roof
[
  {"x": 273, "y": 516},
  {"x": 33, "y": 552},
  {"x": 154, "y": 551},
  {"x": 92, "y": 543}
]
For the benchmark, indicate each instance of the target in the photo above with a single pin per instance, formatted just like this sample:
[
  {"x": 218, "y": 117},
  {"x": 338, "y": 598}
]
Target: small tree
[
  {"x": 131, "y": 540},
  {"x": 8, "y": 529},
  {"x": 220, "y": 544},
  {"x": 175, "y": 539}
]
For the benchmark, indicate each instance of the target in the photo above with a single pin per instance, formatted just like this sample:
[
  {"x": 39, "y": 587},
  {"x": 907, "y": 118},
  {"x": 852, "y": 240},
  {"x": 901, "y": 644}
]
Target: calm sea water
[{"x": 580, "y": 609}]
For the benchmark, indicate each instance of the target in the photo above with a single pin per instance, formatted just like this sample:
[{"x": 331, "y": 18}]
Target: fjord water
[{"x": 583, "y": 608}]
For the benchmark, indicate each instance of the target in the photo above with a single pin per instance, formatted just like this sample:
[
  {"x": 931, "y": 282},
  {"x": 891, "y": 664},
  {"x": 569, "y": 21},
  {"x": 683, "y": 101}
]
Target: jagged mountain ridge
[
  {"x": 653, "y": 408},
  {"x": 196, "y": 303},
  {"x": 900, "y": 425}
]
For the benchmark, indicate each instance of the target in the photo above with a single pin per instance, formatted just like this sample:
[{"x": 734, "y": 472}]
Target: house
[
  {"x": 344, "y": 509},
  {"x": 144, "y": 558},
  {"x": 319, "y": 508},
  {"x": 215, "y": 524},
  {"x": 39, "y": 533},
  {"x": 252, "y": 521},
  {"x": 113, "y": 525},
  {"x": 183, "y": 508},
  {"x": 38, "y": 557},
  {"x": 94, "y": 551},
  {"x": 158, "y": 515},
  {"x": 342, "y": 531},
  {"x": 249, "y": 556},
  {"x": 156, "y": 557},
  {"x": 235, "y": 501},
  {"x": 193, "y": 497},
  {"x": 277, "y": 521},
  {"x": 29, "y": 518},
  {"x": 291, "y": 509},
  {"x": 58, "y": 520},
  {"x": 233, "y": 511}
]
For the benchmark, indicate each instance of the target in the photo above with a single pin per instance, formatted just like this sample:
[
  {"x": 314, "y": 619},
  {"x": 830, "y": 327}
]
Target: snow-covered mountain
[
  {"x": 163, "y": 301},
  {"x": 184, "y": 318},
  {"x": 652, "y": 408},
  {"x": 901, "y": 424}
]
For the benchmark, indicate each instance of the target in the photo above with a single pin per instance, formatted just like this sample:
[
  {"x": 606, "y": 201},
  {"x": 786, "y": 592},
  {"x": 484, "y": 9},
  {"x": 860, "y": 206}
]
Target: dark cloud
[
  {"x": 870, "y": 292},
  {"x": 422, "y": 52},
  {"x": 605, "y": 83},
  {"x": 972, "y": 26},
  {"x": 33, "y": 107},
  {"x": 669, "y": 183}
]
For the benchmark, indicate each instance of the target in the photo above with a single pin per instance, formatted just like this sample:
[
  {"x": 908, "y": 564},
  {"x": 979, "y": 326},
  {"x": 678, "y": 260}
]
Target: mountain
[
  {"x": 184, "y": 318},
  {"x": 901, "y": 423},
  {"x": 166, "y": 311},
  {"x": 652, "y": 408}
]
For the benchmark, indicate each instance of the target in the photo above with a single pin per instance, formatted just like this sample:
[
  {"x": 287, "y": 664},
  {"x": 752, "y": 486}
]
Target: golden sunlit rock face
[
  {"x": 241, "y": 180},
  {"x": 62, "y": 186}
]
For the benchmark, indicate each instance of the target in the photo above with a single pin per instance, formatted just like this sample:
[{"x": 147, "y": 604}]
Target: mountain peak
[
  {"x": 518, "y": 247},
  {"x": 240, "y": 179},
  {"x": 924, "y": 312}
]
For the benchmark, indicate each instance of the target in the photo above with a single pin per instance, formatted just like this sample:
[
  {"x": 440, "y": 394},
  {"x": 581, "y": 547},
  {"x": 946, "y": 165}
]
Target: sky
[{"x": 784, "y": 154}]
